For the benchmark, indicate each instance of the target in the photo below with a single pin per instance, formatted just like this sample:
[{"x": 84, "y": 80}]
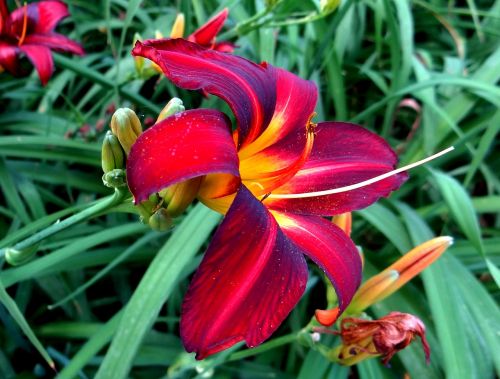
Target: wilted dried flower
[{"x": 362, "y": 339}]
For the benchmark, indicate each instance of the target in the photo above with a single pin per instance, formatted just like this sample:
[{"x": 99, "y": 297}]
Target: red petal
[
  {"x": 55, "y": 42},
  {"x": 50, "y": 14},
  {"x": 205, "y": 35},
  {"x": 249, "y": 280},
  {"x": 224, "y": 47},
  {"x": 41, "y": 58},
  {"x": 183, "y": 146},
  {"x": 248, "y": 88},
  {"x": 330, "y": 248},
  {"x": 4, "y": 13},
  {"x": 9, "y": 57},
  {"x": 342, "y": 154},
  {"x": 43, "y": 17}
]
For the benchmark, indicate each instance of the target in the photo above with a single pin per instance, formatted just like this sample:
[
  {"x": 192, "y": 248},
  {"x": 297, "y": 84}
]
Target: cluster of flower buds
[
  {"x": 161, "y": 207},
  {"x": 125, "y": 128}
]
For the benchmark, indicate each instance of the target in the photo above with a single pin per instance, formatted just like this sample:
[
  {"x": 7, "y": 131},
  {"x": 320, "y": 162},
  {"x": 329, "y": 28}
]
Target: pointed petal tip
[{"x": 327, "y": 317}]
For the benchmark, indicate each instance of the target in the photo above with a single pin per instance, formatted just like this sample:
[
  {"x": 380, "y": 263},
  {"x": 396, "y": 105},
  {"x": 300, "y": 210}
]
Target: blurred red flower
[{"x": 29, "y": 31}]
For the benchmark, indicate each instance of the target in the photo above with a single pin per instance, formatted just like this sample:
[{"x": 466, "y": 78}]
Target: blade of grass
[
  {"x": 154, "y": 289},
  {"x": 97, "y": 77},
  {"x": 11, "y": 195},
  {"x": 486, "y": 142},
  {"x": 16, "y": 314}
]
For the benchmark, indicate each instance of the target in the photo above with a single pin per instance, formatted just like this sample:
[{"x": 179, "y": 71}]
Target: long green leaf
[
  {"x": 17, "y": 315},
  {"x": 154, "y": 289}
]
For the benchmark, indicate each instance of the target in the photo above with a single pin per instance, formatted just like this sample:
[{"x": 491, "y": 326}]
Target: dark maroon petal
[
  {"x": 250, "y": 278},
  {"x": 248, "y": 88},
  {"x": 56, "y": 42},
  {"x": 41, "y": 58},
  {"x": 342, "y": 154},
  {"x": 4, "y": 13},
  {"x": 9, "y": 57},
  {"x": 330, "y": 248},
  {"x": 189, "y": 144},
  {"x": 205, "y": 34}
]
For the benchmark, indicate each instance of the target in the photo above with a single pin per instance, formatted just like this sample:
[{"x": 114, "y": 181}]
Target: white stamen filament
[{"x": 364, "y": 183}]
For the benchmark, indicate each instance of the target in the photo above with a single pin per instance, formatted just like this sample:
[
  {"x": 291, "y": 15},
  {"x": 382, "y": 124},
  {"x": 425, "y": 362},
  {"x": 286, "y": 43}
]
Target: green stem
[
  {"x": 90, "y": 212},
  {"x": 280, "y": 341},
  {"x": 244, "y": 27}
]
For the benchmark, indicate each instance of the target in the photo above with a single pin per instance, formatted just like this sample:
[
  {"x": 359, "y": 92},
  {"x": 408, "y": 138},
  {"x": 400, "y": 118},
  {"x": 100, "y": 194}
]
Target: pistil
[{"x": 25, "y": 25}]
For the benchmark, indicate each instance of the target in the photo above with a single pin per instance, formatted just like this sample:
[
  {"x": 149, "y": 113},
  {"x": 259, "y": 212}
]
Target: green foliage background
[{"x": 95, "y": 295}]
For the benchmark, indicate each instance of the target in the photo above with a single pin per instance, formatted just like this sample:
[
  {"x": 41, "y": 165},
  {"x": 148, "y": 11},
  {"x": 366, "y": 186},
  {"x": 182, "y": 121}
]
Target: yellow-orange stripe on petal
[
  {"x": 264, "y": 180},
  {"x": 295, "y": 102},
  {"x": 398, "y": 274}
]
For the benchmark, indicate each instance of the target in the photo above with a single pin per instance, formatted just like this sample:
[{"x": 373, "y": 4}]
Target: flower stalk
[{"x": 30, "y": 244}]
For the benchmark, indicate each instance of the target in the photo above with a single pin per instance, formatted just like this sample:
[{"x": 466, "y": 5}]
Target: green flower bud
[
  {"x": 175, "y": 105},
  {"x": 160, "y": 220},
  {"x": 328, "y": 6},
  {"x": 17, "y": 257},
  {"x": 115, "y": 178},
  {"x": 126, "y": 126},
  {"x": 147, "y": 207},
  {"x": 112, "y": 155},
  {"x": 272, "y": 3}
]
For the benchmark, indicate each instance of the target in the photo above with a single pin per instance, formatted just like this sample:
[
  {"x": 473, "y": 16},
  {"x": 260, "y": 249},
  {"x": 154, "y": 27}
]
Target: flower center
[{"x": 364, "y": 183}]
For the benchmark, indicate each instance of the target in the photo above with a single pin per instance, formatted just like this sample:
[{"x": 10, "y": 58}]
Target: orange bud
[
  {"x": 344, "y": 222},
  {"x": 178, "y": 27},
  {"x": 179, "y": 196},
  {"x": 398, "y": 274}
]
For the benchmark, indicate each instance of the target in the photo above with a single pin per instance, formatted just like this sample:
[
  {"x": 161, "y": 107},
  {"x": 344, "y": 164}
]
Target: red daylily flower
[
  {"x": 29, "y": 30},
  {"x": 254, "y": 271}
]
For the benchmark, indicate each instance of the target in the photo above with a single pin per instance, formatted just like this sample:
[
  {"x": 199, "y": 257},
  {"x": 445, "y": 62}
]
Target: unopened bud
[
  {"x": 126, "y": 126},
  {"x": 115, "y": 178},
  {"x": 147, "y": 207},
  {"x": 398, "y": 274},
  {"x": 175, "y": 105},
  {"x": 328, "y": 6},
  {"x": 160, "y": 220},
  {"x": 178, "y": 27},
  {"x": 17, "y": 257},
  {"x": 112, "y": 155},
  {"x": 179, "y": 196}
]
